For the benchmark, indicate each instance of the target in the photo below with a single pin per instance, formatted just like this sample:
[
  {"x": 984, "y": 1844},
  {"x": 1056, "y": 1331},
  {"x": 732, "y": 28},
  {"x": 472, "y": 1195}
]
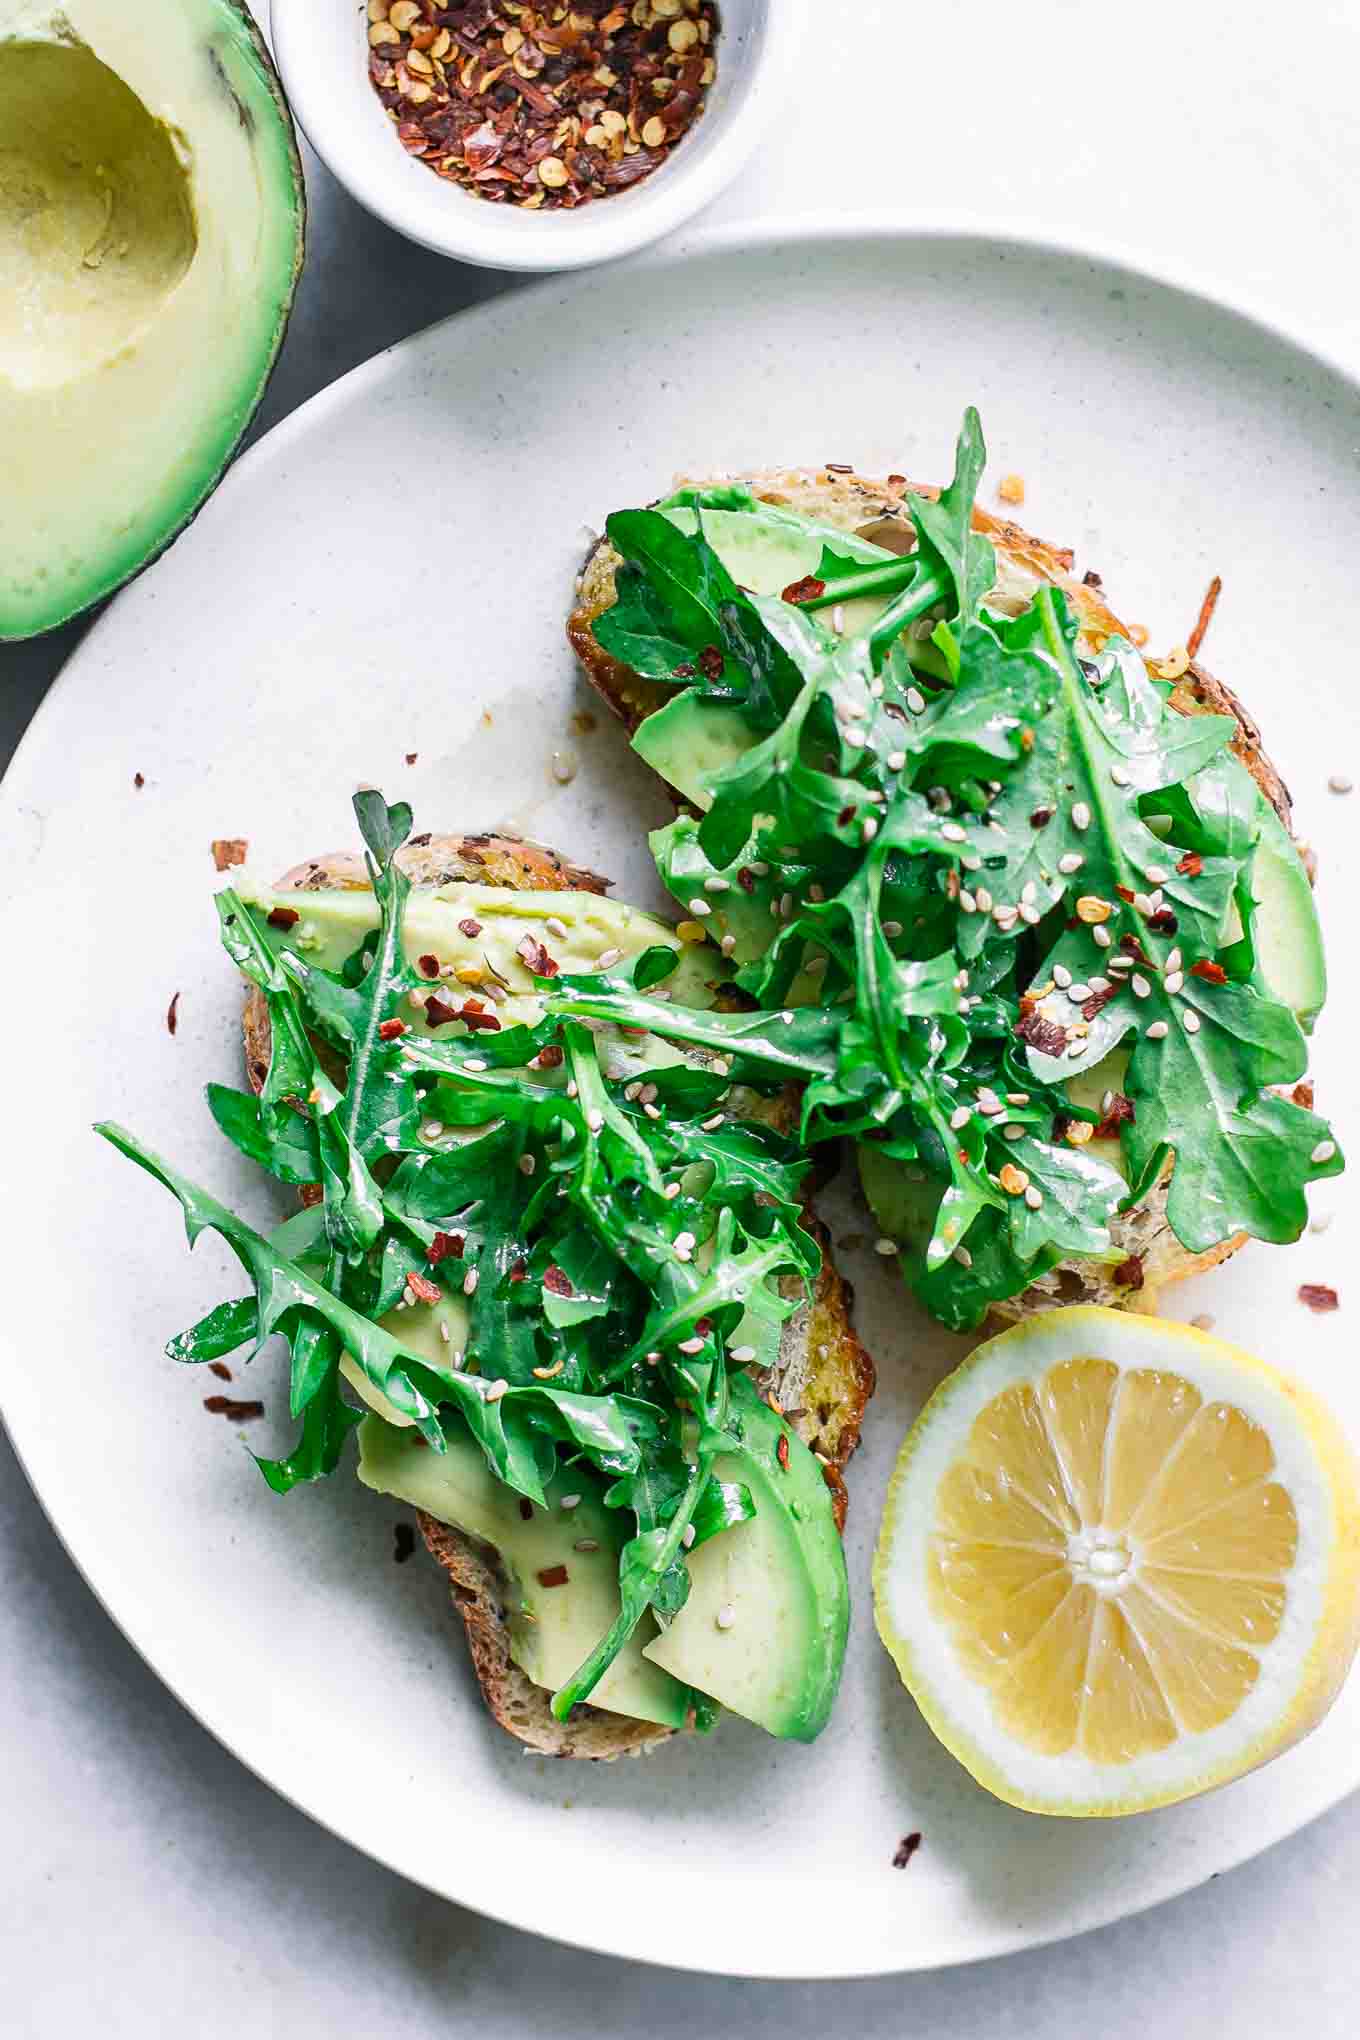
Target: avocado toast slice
[
  {"x": 525, "y": 1246},
  {"x": 966, "y": 754}
]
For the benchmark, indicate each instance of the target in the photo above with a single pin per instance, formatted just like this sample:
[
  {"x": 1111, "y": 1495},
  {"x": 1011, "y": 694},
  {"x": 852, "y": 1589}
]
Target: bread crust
[
  {"x": 822, "y": 1382},
  {"x": 1148, "y": 1250}
]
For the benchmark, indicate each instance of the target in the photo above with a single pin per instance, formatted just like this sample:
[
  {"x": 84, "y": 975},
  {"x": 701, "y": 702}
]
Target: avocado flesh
[
  {"x": 553, "y": 1629},
  {"x": 763, "y": 1630},
  {"x": 1290, "y": 965},
  {"x": 151, "y": 220},
  {"x": 763, "y": 550}
]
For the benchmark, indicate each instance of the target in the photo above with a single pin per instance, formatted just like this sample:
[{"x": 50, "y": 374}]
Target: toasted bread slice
[
  {"x": 823, "y": 1380},
  {"x": 1151, "y": 1255}
]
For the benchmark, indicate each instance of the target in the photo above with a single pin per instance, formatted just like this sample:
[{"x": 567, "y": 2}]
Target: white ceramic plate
[{"x": 385, "y": 574}]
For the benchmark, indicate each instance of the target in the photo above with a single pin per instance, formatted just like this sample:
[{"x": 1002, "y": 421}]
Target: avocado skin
[{"x": 239, "y": 31}]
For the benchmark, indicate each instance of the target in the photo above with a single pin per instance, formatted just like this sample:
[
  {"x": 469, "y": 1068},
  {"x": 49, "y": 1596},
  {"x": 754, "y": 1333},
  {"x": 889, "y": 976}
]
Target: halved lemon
[{"x": 1119, "y": 1562}]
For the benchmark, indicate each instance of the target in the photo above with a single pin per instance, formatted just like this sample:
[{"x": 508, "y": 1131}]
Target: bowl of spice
[{"x": 535, "y": 134}]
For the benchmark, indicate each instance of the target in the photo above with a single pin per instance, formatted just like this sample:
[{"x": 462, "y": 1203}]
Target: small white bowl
[{"x": 322, "y": 52}]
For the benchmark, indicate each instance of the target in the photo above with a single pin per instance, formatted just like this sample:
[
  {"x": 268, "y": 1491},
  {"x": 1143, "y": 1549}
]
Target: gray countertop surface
[{"x": 148, "y": 1883}]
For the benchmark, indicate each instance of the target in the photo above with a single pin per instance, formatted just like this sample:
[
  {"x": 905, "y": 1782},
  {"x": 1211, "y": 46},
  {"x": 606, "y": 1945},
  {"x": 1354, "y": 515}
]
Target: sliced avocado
[
  {"x": 331, "y": 926},
  {"x": 151, "y": 229},
  {"x": 1290, "y": 964},
  {"x": 764, "y": 1628},
  {"x": 553, "y": 1627},
  {"x": 689, "y": 739}
]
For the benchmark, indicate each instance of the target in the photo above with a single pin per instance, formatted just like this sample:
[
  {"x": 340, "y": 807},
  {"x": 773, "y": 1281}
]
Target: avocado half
[{"x": 152, "y": 215}]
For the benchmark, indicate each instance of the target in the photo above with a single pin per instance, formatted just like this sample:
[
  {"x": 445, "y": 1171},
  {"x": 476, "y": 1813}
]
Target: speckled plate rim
[{"x": 811, "y": 231}]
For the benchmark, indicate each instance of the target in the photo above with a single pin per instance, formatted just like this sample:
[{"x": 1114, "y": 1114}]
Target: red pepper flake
[
  {"x": 1205, "y": 617},
  {"x": 411, "y": 757},
  {"x": 1132, "y": 946},
  {"x": 283, "y": 917},
  {"x": 1318, "y": 1296},
  {"x": 1121, "y": 1109},
  {"x": 806, "y": 590},
  {"x": 1098, "y": 1001},
  {"x": 172, "y": 1015},
  {"x": 1212, "y": 973},
  {"x": 220, "y": 1369},
  {"x": 391, "y": 1030},
  {"x": 235, "y": 1412},
  {"x": 475, "y": 1016},
  {"x": 229, "y": 850},
  {"x": 535, "y": 957},
  {"x": 1164, "y": 921},
  {"x": 1091, "y": 579},
  {"x": 557, "y": 1281},
  {"x": 403, "y": 1541},
  {"x": 1302, "y": 1094},
  {"x": 906, "y": 1849},
  {"x": 711, "y": 662},
  {"x": 553, "y": 1576},
  {"x": 445, "y": 1246},
  {"x": 428, "y": 966},
  {"x": 684, "y": 671},
  {"x": 526, "y": 1509},
  {"x": 1129, "y": 1274},
  {"x": 519, "y": 1270},
  {"x": 1125, "y": 893},
  {"x": 1041, "y": 817},
  {"x": 551, "y": 1057},
  {"x": 1042, "y": 1034},
  {"x": 438, "y": 1011},
  {"x": 138, "y": 780},
  {"x": 1191, "y": 865},
  {"x": 423, "y": 1289},
  {"x": 469, "y": 927},
  {"x": 746, "y": 878},
  {"x": 846, "y": 816},
  {"x": 781, "y": 1451}
]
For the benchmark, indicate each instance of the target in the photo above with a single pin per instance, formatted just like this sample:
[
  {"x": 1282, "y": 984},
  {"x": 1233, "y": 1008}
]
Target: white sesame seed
[
  {"x": 1323, "y": 1152},
  {"x": 1106, "y": 1101},
  {"x": 687, "y": 1535},
  {"x": 570, "y": 1502},
  {"x": 1078, "y": 994},
  {"x": 728, "y": 944},
  {"x": 786, "y": 904},
  {"x": 431, "y": 1129},
  {"x": 652, "y": 1359},
  {"x": 868, "y": 829},
  {"x": 712, "y": 1125},
  {"x": 1070, "y": 861},
  {"x": 963, "y": 1257},
  {"x": 1076, "y": 1048},
  {"x": 609, "y": 957},
  {"x": 759, "y": 867},
  {"x": 1101, "y": 936},
  {"x": 1005, "y": 917},
  {"x": 633, "y": 1090},
  {"x": 1081, "y": 815},
  {"x": 1203, "y": 1321},
  {"x": 967, "y": 902},
  {"x": 416, "y": 1001},
  {"x": 685, "y": 1241},
  {"x": 741, "y": 1354},
  {"x": 1320, "y": 1221},
  {"x": 581, "y": 1544},
  {"x": 652, "y": 1111},
  {"x": 1156, "y": 1032},
  {"x": 1141, "y": 987},
  {"x": 971, "y": 863},
  {"x": 594, "y": 1119},
  {"x": 1173, "y": 961},
  {"x": 470, "y": 1282},
  {"x": 985, "y": 900},
  {"x": 475, "y": 1064},
  {"x": 895, "y": 760},
  {"x": 1158, "y": 873},
  {"x": 1100, "y": 984},
  {"x": 1175, "y": 982},
  {"x": 717, "y": 884},
  {"x": 1120, "y": 963},
  {"x": 648, "y": 1094},
  {"x": 1027, "y": 892},
  {"x": 854, "y": 737},
  {"x": 1190, "y": 1020},
  {"x": 690, "y": 1346},
  {"x": 1013, "y": 1131},
  {"x": 444, "y": 1332},
  {"x": 1030, "y": 916},
  {"x": 1142, "y": 903},
  {"x": 699, "y": 906},
  {"x": 916, "y": 701},
  {"x": 726, "y": 1616},
  {"x": 892, "y": 929},
  {"x": 527, "y": 1164},
  {"x": 671, "y": 1190},
  {"x": 556, "y": 927},
  {"x": 572, "y": 1088},
  {"x": 959, "y": 1118},
  {"x": 885, "y": 1247},
  {"x": 1338, "y": 783},
  {"x": 1017, "y": 1097},
  {"x": 952, "y": 833},
  {"x": 496, "y": 1390},
  {"x": 1062, "y": 976},
  {"x": 1119, "y": 776},
  {"x": 1034, "y": 1198}
]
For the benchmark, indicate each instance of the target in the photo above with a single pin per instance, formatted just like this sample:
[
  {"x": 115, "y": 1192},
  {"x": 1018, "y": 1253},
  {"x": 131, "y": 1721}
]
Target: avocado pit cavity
[{"x": 96, "y": 220}]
